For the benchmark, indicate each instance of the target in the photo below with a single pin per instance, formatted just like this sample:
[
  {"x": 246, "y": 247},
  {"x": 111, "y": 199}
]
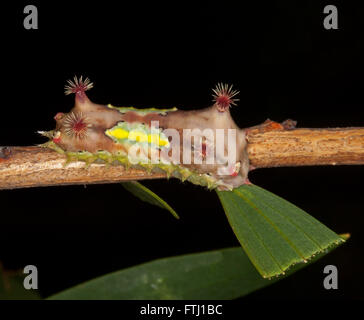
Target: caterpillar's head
[
  {"x": 81, "y": 128},
  {"x": 72, "y": 125}
]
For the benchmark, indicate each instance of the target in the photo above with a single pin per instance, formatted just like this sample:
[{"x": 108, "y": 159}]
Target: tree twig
[
  {"x": 270, "y": 145},
  {"x": 306, "y": 147}
]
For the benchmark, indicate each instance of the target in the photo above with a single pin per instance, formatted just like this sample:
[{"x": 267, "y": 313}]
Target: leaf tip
[{"x": 345, "y": 236}]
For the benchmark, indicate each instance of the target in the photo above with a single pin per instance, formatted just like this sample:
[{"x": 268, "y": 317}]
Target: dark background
[{"x": 285, "y": 64}]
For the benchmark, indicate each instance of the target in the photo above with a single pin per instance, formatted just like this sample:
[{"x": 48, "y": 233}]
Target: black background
[{"x": 277, "y": 53}]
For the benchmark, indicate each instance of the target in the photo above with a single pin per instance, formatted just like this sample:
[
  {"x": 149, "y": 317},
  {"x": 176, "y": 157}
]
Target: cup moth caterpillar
[{"x": 204, "y": 146}]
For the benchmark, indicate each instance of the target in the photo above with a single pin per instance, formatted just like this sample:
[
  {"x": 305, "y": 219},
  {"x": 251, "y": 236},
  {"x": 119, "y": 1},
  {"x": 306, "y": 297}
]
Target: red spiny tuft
[
  {"x": 78, "y": 86},
  {"x": 75, "y": 124},
  {"x": 224, "y": 96},
  {"x": 57, "y": 140}
]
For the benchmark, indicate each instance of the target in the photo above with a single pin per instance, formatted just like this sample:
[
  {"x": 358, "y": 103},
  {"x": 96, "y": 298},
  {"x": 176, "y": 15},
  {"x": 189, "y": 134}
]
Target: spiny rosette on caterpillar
[
  {"x": 203, "y": 146},
  {"x": 76, "y": 124},
  {"x": 224, "y": 96},
  {"x": 78, "y": 86}
]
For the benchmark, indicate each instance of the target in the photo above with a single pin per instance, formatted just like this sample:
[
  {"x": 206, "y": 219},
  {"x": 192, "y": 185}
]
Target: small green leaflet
[
  {"x": 219, "y": 274},
  {"x": 274, "y": 233},
  {"x": 145, "y": 194}
]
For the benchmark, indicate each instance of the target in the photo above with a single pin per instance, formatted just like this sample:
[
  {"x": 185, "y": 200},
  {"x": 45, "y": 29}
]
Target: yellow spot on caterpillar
[
  {"x": 118, "y": 133},
  {"x": 138, "y": 136}
]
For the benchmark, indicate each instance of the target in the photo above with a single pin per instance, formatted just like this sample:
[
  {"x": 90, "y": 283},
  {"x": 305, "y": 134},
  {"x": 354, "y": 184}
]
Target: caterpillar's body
[{"x": 93, "y": 132}]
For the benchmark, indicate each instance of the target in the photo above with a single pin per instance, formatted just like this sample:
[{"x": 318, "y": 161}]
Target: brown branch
[
  {"x": 306, "y": 147},
  {"x": 270, "y": 145}
]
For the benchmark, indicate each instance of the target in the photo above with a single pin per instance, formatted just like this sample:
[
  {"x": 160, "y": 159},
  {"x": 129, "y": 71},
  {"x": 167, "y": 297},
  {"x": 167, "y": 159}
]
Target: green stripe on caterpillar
[{"x": 204, "y": 146}]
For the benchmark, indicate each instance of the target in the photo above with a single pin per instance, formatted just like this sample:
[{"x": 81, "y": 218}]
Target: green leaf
[
  {"x": 220, "y": 274},
  {"x": 274, "y": 233},
  {"x": 145, "y": 194}
]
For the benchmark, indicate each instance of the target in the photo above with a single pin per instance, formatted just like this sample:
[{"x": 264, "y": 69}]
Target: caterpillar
[{"x": 204, "y": 146}]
